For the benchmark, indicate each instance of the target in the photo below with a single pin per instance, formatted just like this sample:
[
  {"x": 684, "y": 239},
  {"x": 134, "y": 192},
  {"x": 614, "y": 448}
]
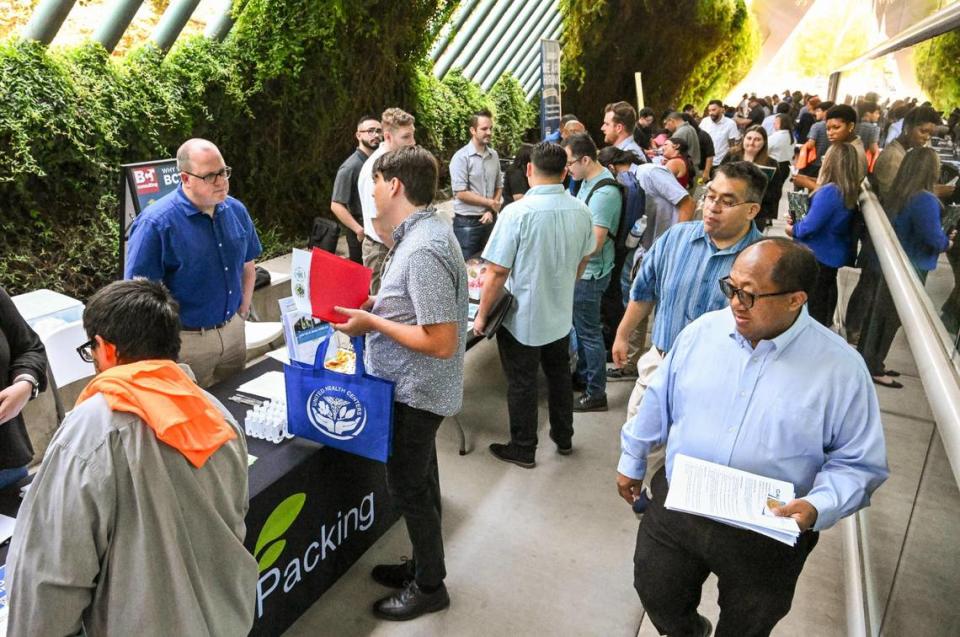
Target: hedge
[
  {"x": 280, "y": 97},
  {"x": 687, "y": 50},
  {"x": 938, "y": 70}
]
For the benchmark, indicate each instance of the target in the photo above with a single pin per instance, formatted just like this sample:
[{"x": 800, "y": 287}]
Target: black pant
[
  {"x": 520, "y": 366},
  {"x": 822, "y": 302},
  {"x": 861, "y": 300},
  {"x": 353, "y": 244},
  {"x": 413, "y": 480},
  {"x": 676, "y": 552}
]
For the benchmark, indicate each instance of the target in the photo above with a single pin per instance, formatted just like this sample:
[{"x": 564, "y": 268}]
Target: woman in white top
[{"x": 781, "y": 141}]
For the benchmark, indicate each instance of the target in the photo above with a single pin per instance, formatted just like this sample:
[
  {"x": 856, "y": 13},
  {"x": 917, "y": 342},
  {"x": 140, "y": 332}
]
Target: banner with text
[{"x": 550, "y": 87}]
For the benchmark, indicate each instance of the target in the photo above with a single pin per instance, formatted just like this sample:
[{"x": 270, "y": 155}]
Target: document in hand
[
  {"x": 336, "y": 281},
  {"x": 731, "y": 496}
]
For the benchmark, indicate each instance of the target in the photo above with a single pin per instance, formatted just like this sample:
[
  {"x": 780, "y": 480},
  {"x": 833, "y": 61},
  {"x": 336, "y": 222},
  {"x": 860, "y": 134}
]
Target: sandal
[{"x": 892, "y": 384}]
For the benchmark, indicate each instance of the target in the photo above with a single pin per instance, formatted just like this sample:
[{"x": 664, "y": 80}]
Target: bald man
[
  {"x": 201, "y": 243},
  {"x": 761, "y": 387}
]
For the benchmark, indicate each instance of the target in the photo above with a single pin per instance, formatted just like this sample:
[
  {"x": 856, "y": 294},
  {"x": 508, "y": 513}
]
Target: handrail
[
  {"x": 860, "y": 592},
  {"x": 929, "y": 341}
]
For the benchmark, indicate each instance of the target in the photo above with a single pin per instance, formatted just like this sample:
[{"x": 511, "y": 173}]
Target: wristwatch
[{"x": 33, "y": 382}]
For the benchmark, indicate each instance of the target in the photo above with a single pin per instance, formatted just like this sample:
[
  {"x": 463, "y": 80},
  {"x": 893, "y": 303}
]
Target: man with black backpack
[{"x": 602, "y": 194}]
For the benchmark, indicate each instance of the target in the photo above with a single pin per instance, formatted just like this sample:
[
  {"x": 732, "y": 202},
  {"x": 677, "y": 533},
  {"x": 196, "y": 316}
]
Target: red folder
[{"x": 335, "y": 281}]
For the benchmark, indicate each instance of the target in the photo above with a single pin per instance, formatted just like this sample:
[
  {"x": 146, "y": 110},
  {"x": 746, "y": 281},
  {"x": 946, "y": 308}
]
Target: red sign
[{"x": 146, "y": 180}]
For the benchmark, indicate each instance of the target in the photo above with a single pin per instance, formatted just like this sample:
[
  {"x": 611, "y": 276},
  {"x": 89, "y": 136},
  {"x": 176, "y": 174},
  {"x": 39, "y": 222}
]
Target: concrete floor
[{"x": 548, "y": 551}]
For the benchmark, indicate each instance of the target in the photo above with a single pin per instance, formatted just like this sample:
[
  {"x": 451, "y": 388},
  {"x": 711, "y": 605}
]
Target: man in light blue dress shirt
[
  {"x": 763, "y": 388},
  {"x": 539, "y": 248}
]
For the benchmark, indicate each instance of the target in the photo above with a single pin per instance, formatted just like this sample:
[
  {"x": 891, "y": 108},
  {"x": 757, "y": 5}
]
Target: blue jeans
[
  {"x": 471, "y": 235},
  {"x": 12, "y": 476},
  {"x": 591, "y": 353}
]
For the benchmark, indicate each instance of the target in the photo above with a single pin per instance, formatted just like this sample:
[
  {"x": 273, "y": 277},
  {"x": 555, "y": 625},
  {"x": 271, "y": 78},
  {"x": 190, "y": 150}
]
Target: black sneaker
[
  {"x": 410, "y": 603},
  {"x": 590, "y": 403},
  {"x": 706, "y": 628},
  {"x": 394, "y": 575},
  {"x": 563, "y": 450},
  {"x": 514, "y": 454},
  {"x": 615, "y": 374}
]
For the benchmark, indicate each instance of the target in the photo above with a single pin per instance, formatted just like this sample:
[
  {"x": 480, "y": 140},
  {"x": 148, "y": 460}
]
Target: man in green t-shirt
[{"x": 604, "y": 203}]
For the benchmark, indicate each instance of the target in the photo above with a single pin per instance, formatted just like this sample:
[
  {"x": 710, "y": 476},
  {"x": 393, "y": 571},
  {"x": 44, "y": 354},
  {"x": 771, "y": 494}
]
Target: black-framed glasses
[
  {"x": 86, "y": 351},
  {"x": 573, "y": 161},
  {"x": 371, "y": 131},
  {"x": 714, "y": 201},
  {"x": 747, "y": 299},
  {"x": 213, "y": 178}
]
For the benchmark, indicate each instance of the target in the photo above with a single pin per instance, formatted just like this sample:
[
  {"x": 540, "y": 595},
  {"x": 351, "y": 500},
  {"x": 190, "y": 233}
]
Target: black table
[{"x": 303, "y": 551}]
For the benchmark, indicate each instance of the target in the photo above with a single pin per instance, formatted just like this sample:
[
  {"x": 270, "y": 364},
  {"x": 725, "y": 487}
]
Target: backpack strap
[{"x": 623, "y": 203}]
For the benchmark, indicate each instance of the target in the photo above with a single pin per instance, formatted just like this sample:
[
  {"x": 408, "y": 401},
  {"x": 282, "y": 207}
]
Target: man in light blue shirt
[
  {"x": 763, "y": 388},
  {"x": 601, "y": 192},
  {"x": 539, "y": 247}
]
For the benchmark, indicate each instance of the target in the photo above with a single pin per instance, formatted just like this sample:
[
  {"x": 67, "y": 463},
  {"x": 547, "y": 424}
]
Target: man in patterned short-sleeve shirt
[{"x": 417, "y": 327}]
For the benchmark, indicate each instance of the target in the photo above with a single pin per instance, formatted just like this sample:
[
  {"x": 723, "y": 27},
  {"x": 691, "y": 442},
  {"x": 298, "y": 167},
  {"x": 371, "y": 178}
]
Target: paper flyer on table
[{"x": 731, "y": 496}]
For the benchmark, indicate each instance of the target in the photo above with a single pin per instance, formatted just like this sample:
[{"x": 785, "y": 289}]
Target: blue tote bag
[{"x": 350, "y": 412}]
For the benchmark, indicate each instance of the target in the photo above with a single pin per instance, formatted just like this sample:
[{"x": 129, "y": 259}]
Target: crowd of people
[{"x": 665, "y": 218}]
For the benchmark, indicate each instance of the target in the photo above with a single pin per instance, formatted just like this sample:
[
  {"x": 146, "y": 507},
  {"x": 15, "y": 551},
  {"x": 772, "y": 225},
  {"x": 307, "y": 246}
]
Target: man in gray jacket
[{"x": 134, "y": 524}]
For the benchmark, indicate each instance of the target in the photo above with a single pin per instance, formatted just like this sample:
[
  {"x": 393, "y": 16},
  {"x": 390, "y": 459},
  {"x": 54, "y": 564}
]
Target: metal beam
[
  {"x": 462, "y": 38},
  {"x": 480, "y": 36},
  {"x": 530, "y": 39},
  {"x": 172, "y": 23},
  {"x": 947, "y": 19},
  {"x": 493, "y": 39},
  {"x": 219, "y": 27},
  {"x": 47, "y": 19},
  {"x": 451, "y": 29},
  {"x": 535, "y": 85},
  {"x": 529, "y": 61},
  {"x": 113, "y": 28},
  {"x": 494, "y": 67}
]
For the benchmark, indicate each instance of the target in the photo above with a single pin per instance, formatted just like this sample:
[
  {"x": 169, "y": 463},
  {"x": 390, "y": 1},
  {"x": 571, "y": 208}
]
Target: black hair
[
  {"x": 824, "y": 106},
  {"x": 843, "y": 112},
  {"x": 522, "y": 158},
  {"x": 783, "y": 107},
  {"x": 748, "y": 172},
  {"x": 795, "y": 269},
  {"x": 646, "y": 112},
  {"x": 681, "y": 144},
  {"x": 611, "y": 155},
  {"x": 138, "y": 316},
  {"x": 867, "y": 107},
  {"x": 549, "y": 159},
  {"x": 920, "y": 115},
  {"x": 717, "y": 102},
  {"x": 581, "y": 145},
  {"x": 366, "y": 117},
  {"x": 417, "y": 170}
]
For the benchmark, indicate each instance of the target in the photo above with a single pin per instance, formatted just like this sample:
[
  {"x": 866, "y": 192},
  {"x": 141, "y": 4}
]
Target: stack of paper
[
  {"x": 731, "y": 496},
  {"x": 303, "y": 332}
]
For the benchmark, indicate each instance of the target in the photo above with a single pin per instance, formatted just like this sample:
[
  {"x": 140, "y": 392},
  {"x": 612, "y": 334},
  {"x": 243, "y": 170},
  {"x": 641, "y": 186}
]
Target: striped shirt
[{"x": 680, "y": 274}]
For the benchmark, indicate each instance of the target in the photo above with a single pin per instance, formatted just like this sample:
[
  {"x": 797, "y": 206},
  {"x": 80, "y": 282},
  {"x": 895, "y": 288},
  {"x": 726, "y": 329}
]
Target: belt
[
  {"x": 477, "y": 217},
  {"x": 184, "y": 328}
]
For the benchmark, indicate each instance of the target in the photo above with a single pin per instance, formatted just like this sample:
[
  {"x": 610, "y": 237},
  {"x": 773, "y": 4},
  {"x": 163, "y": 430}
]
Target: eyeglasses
[
  {"x": 747, "y": 299},
  {"x": 370, "y": 131},
  {"x": 213, "y": 178},
  {"x": 714, "y": 202},
  {"x": 573, "y": 161},
  {"x": 86, "y": 351}
]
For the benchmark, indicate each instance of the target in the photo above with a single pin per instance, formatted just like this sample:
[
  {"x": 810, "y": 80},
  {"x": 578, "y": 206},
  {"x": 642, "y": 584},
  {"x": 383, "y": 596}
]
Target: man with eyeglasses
[
  {"x": 142, "y": 493},
  {"x": 398, "y": 132},
  {"x": 761, "y": 387},
  {"x": 345, "y": 200},
  {"x": 201, "y": 243},
  {"x": 678, "y": 274}
]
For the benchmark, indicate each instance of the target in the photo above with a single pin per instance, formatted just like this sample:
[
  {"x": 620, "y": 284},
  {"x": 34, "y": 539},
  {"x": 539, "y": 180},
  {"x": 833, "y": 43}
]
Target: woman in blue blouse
[
  {"x": 916, "y": 216},
  {"x": 826, "y": 227}
]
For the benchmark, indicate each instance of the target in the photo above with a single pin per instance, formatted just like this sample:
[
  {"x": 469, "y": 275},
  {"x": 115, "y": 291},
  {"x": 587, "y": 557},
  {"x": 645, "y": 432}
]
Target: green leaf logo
[{"x": 275, "y": 526}]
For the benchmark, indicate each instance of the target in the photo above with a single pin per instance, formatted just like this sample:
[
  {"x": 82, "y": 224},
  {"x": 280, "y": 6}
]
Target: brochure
[
  {"x": 301, "y": 330},
  {"x": 731, "y": 496}
]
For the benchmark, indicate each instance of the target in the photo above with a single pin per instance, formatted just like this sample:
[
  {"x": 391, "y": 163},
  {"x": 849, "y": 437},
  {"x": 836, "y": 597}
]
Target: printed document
[{"x": 731, "y": 496}]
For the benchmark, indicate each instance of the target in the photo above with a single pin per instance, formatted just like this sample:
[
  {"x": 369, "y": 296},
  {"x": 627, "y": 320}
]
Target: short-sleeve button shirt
[
  {"x": 477, "y": 172},
  {"x": 345, "y": 189},
  {"x": 200, "y": 259},
  {"x": 424, "y": 282}
]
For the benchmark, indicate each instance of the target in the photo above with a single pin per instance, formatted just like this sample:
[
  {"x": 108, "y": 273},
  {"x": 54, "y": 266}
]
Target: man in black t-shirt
[{"x": 345, "y": 200}]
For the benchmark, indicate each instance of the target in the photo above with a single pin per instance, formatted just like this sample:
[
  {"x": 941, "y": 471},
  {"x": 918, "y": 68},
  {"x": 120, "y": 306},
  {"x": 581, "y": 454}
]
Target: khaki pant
[
  {"x": 217, "y": 354},
  {"x": 647, "y": 366},
  {"x": 374, "y": 254},
  {"x": 638, "y": 338}
]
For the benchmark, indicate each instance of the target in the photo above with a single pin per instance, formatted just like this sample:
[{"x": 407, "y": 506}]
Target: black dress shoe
[
  {"x": 410, "y": 603},
  {"x": 563, "y": 449},
  {"x": 706, "y": 626},
  {"x": 590, "y": 403},
  {"x": 394, "y": 575},
  {"x": 514, "y": 454}
]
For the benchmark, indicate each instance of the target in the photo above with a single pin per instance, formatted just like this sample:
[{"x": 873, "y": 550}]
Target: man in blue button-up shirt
[
  {"x": 764, "y": 388},
  {"x": 201, "y": 244}
]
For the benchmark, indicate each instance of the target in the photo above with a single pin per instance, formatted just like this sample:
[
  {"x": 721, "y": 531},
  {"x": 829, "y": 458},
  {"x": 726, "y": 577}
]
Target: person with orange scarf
[{"x": 134, "y": 524}]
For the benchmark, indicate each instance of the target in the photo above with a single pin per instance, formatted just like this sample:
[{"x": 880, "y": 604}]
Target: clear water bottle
[{"x": 636, "y": 233}]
